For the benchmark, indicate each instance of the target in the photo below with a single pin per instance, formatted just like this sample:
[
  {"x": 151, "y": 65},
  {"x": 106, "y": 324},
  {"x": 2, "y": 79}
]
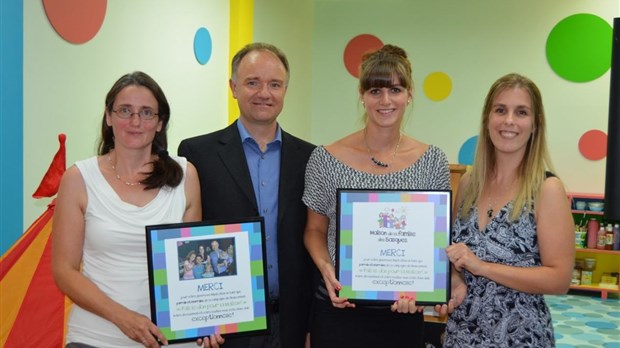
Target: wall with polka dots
[
  {"x": 76, "y": 50},
  {"x": 458, "y": 49}
]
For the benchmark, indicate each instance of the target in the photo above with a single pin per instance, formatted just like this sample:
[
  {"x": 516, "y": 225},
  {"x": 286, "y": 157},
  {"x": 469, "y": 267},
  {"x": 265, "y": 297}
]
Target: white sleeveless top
[{"x": 114, "y": 255}]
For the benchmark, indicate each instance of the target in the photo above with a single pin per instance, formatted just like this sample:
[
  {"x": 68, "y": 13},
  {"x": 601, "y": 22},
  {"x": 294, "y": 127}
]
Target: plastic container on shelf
[
  {"x": 601, "y": 238},
  {"x": 580, "y": 238},
  {"x": 589, "y": 264},
  {"x": 580, "y": 263},
  {"x": 609, "y": 237},
  {"x": 593, "y": 227},
  {"x": 576, "y": 279},
  {"x": 586, "y": 277}
]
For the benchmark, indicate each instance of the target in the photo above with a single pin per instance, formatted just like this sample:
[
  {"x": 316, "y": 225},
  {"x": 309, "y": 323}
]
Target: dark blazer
[{"x": 227, "y": 192}]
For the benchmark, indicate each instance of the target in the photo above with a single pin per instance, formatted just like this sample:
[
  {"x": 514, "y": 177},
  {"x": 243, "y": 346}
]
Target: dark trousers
[
  {"x": 365, "y": 327},
  {"x": 266, "y": 341}
]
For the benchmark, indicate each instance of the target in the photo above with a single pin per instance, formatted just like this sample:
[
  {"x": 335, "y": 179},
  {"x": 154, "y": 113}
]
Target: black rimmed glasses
[{"x": 126, "y": 113}]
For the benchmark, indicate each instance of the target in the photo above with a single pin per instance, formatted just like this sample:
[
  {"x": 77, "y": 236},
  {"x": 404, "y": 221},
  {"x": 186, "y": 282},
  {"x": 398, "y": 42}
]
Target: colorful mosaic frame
[
  {"x": 441, "y": 202},
  {"x": 159, "y": 269}
]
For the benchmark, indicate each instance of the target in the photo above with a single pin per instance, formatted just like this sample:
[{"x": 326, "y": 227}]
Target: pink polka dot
[
  {"x": 593, "y": 145},
  {"x": 356, "y": 48},
  {"x": 76, "y": 21}
]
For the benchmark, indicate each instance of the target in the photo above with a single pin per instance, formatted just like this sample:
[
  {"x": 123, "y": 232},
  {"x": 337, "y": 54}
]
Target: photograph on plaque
[
  {"x": 391, "y": 243},
  {"x": 208, "y": 277}
]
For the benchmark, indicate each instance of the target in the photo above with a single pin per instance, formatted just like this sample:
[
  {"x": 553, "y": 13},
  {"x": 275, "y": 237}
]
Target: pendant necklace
[
  {"x": 490, "y": 210},
  {"x": 119, "y": 177},
  {"x": 376, "y": 161},
  {"x": 502, "y": 194}
]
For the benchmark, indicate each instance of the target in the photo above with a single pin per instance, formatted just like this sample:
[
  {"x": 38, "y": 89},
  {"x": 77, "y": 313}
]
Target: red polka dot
[
  {"x": 593, "y": 145},
  {"x": 76, "y": 21},
  {"x": 356, "y": 48}
]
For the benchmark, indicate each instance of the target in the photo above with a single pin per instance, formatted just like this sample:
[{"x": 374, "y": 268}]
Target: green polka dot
[
  {"x": 568, "y": 330},
  {"x": 579, "y": 47}
]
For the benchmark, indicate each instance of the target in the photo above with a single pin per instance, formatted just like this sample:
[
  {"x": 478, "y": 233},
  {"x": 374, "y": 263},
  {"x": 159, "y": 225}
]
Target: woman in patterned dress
[
  {"x": 513, "y": 233},
  {"x": 378, "y": 156}
]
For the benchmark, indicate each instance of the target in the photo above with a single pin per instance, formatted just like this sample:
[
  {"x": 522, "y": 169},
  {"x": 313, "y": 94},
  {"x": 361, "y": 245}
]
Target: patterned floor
[{"x": 585, "y": 321}]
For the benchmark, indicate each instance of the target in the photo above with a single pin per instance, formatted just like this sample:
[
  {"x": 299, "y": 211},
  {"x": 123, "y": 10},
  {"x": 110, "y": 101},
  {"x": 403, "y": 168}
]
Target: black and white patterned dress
[
  {"x": 325, "y": 174},
  {"x": 493, "y": 315}
]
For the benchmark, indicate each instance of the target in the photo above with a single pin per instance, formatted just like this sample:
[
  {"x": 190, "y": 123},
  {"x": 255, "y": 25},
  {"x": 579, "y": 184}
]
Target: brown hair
[
  {"x": 379, "y": 67},
  {"x": 258, "y": 46},
  {"x": 166, "y": 171}
]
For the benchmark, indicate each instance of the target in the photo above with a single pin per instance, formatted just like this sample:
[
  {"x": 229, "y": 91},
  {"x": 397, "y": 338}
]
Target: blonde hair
[{"x": 535, "y": 162}]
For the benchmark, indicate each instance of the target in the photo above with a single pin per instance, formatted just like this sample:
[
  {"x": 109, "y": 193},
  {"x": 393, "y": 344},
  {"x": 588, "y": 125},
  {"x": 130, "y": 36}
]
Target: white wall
[{"x": 288, "y": 25}]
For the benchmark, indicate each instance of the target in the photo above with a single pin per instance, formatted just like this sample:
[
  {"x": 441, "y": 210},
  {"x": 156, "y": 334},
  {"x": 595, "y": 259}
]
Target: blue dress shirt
[{"x": 265, "y": 173}]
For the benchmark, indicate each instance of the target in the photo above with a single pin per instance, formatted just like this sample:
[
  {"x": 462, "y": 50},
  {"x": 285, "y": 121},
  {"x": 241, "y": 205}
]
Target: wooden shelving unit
[{"x": 607, "y": 261}]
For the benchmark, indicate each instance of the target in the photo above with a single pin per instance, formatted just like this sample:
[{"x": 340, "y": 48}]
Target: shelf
[
  {"x": 586, "y": 196},
  {"x": 595, "y": 287},
  {"x": 587, "y": 212},
  {"x": 603, "y": 290},
  {"x": 607, "y": 261},
  {"x": 598, "y": 251}
]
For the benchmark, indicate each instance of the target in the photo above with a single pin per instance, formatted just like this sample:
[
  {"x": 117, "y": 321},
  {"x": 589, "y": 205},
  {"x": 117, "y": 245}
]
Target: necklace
[
  {"x": 490, "y": 210},
  {"x": 119, "y": 177},
  {"x": 376, "y": 161},
  {"x": 498, "y": 198}
]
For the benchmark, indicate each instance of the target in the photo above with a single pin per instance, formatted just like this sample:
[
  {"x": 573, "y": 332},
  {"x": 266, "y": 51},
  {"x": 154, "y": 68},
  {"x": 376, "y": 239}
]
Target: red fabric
[
  {"x": 51, "y": 181},
  {"x": 15, "y": 252},
  {"x": 41, "y": 318}
]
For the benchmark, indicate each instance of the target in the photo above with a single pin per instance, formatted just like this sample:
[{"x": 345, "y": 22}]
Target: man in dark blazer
[{"x": 236, "y": 166}]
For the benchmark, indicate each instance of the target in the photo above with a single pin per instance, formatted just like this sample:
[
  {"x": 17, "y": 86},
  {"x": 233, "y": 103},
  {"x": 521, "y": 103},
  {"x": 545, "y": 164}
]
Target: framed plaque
[
  {"x": 208, "y": 277},
  {"x": 391, "y": 243}
]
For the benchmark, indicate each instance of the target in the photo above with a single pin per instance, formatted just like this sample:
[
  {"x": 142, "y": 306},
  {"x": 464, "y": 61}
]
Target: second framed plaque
[{"x": 391, "y": 243}]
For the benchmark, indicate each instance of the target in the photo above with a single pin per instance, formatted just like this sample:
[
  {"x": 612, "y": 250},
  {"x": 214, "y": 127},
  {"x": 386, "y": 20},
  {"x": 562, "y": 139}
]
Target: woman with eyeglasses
[{"x": 99, "y": 248}]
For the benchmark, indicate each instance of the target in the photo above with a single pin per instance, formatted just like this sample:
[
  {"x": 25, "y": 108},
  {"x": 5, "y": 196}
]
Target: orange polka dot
[
  {"x": 356, "y": 48},
  {"x": 593, "y": 145},
  {"x": 76, "y": 21}
]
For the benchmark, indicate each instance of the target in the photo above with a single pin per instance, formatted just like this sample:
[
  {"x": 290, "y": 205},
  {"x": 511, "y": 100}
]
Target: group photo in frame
[
  {"x": 391, "y": 243},
  {"x": 206, "y": 258},
  {"x": 208, "y": 277}
]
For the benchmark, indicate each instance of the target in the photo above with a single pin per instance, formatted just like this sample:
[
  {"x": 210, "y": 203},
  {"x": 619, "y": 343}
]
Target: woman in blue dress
[{"x": 513, "y": 234}]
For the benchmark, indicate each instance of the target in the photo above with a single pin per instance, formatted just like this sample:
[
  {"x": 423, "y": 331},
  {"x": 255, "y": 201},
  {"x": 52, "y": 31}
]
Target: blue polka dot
[
  {"x": 468, "y": 151},
  {"x": 561, "y": 306},
  {"x": 601, "y": 325},
  {"x": 202, "y": 46}
]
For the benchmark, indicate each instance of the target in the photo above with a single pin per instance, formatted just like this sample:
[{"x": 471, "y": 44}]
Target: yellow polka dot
[{"x": 437, "y": 86}]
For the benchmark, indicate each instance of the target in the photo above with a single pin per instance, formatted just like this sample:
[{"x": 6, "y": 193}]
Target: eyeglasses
[{"x": 126, "y": 113}]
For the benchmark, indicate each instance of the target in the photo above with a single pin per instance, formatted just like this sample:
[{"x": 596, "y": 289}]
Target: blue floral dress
[{"x": 491, "y": 314}]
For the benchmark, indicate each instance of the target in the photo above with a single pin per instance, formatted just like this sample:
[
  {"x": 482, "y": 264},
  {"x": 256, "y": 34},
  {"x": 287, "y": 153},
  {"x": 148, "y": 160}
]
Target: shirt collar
[{"x": 245, "y": 135}]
